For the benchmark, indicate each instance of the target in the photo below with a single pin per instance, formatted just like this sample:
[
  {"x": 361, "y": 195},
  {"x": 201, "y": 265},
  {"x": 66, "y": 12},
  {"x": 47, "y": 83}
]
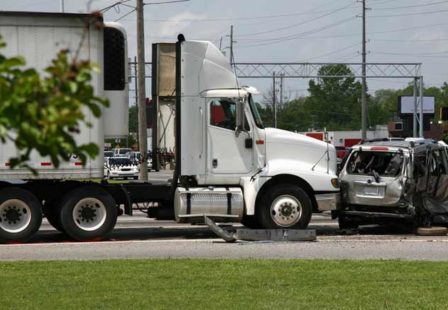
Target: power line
[
  {"x": 238, "y": 18},
  {"x": 334, "y": 52},
  {"x": 297, "y": 35},
  {"x": 408, "y": 28},
  {"x": 411, "y": 6},
  {"x": 127, "y": 14},
  {"x": 413, "y": 55},
  {"x": 166, "y": 2},
  {"x": 346, "y": 57},
  {"x": 411, "y": 40},
  {"x": 107, "y": 8},
  {"x": 409, "y": 14},
  {"x": 295, "y": 25}
]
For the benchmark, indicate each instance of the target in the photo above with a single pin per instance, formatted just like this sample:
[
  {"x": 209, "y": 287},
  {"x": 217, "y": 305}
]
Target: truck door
[{"x": 227, "y": 152}]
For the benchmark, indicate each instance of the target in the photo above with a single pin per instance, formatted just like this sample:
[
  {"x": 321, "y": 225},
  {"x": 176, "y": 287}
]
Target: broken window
[{"x": 386, "y": 164}]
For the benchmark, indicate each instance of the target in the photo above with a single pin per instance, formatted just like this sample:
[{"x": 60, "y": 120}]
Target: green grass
[{"x": 223, "y": 284}]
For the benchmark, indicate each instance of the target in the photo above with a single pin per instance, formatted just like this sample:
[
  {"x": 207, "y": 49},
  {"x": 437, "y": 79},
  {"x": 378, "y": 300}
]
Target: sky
[{"x": 288, "y": 31}]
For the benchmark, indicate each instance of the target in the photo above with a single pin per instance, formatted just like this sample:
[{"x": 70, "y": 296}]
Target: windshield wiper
[{"x": 376, "y": 176}]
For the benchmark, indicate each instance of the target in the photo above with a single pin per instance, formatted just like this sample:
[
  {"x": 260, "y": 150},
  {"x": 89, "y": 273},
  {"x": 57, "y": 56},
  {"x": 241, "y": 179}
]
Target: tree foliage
[
  {"x": 334, "y": 102},
  {"x": 44, "y": 112}
]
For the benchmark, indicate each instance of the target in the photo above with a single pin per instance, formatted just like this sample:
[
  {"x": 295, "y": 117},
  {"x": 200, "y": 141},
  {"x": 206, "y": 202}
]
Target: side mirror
[{"x": 240, "y": 108}]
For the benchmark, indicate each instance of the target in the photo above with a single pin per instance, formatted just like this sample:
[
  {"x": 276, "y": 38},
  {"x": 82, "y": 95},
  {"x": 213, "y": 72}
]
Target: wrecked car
[{"x": 386, "y": 181}]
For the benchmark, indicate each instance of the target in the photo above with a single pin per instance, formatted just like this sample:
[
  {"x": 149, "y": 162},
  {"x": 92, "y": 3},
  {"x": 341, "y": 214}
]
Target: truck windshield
[{"x": 255, "y": 113}]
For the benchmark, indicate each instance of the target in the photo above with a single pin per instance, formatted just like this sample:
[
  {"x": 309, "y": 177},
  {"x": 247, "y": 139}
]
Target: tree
[
  {"x": 293, "y": 116},
  {"x": 334, "y": 102},
  {"x": 133, "y": 119},
  {"x": 43, "y": 112}
]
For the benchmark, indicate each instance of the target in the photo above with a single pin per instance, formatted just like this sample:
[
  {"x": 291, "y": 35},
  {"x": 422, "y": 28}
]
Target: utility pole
[
  {"x": 231, "y": 45},
  {"x": 274, "y": 100},
  {"x": 62, "y": 6},
  {"x": 281, "y": 90},
  {"x": 414, "y": 115},
  {"x": 143, "y": 144},
  {"x": 136, "y": 94},
  {"x": 421, "y": 108},
  {"x": 364, "y": 84}
]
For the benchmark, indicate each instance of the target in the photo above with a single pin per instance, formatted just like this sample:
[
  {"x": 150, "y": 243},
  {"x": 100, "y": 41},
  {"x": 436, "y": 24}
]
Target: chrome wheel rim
[
  {"x": 286, "y": 211},
  {"x": 15, "y": 216},
  {"x": 89, "y": 214}
]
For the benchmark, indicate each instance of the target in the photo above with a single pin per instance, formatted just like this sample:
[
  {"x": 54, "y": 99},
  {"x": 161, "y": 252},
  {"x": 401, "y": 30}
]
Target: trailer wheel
[
  {"x": 88, "y": 213},
  {"x": 20, "y": 214},
  {"x": 284, "y": 206},
  {"x": 51, "y": 212}
]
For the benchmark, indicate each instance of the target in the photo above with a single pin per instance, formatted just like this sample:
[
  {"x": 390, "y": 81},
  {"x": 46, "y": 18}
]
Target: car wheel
[
  {"x": 20, "y": 214},
  {"x": 88, "y": 213},
  {"x": 284, "y": 206}
]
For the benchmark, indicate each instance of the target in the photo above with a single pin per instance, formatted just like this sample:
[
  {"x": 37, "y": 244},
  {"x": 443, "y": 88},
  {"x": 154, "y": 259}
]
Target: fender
[{"x": 311, "y": 181}]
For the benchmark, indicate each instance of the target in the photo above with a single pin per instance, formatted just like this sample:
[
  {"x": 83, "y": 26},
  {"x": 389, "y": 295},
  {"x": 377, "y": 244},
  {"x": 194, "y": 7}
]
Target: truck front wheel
[
  {"x": 20, "y": 214},
  {"x": 88, "y": 213},
  {"x": 284, "y": 206}
]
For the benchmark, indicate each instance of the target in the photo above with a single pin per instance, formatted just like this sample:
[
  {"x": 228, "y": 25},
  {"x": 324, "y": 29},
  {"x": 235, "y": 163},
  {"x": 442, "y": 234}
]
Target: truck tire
[
  {"x": 284, "y": 206},
  {"x": 88, "y": 213},
  {"x": 20, "y": 214},
  {"x": 51, "y": 212}
]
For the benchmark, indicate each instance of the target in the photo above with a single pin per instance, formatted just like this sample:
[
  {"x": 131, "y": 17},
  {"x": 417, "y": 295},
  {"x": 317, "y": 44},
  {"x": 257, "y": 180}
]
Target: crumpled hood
[{"x": 301, "y": 150}]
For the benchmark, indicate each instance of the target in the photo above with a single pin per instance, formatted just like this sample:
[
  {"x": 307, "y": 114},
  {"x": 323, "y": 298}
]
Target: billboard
[{"x": 406, "y": 104}]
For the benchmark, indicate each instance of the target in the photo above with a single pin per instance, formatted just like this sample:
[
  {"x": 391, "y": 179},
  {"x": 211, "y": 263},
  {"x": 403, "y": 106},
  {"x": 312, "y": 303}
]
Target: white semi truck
[{"x": 228, "y": 166}]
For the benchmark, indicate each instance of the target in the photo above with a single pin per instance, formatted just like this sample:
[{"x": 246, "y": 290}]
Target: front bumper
[
  {"x": 328, "y": 201},
  {"x": 123, "y": 174}
]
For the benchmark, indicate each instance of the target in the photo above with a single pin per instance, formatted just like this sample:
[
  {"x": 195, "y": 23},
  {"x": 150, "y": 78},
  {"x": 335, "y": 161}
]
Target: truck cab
[{"x": 280, "y": 177}]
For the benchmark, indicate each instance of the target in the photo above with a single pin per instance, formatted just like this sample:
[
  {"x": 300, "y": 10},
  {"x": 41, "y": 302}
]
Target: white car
[{"x": 121, "y": 167}]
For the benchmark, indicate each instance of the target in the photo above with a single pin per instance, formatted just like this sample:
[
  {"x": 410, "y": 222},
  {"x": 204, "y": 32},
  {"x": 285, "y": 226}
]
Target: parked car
[
  {"x": 108, "y": 154},
  {"x": 135, "y": 157},
  {"x": 122, "y": 152},
  {"x": 386, "y": 181},
  {"x": 120, "y": 167}
]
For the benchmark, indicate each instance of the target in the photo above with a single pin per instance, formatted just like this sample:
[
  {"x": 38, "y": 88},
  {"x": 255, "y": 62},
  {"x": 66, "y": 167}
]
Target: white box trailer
[
  {"x": 229, "y": 167},
  {"x": 38, "y": 37}
]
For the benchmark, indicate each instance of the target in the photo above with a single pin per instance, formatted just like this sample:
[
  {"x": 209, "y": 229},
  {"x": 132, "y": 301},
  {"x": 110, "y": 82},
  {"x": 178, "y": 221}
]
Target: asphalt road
[{"x": 138, "y": 238}]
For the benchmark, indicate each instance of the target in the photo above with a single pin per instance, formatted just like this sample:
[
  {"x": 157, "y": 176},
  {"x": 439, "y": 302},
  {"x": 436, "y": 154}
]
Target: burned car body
[{"x": 385, "y": 181}]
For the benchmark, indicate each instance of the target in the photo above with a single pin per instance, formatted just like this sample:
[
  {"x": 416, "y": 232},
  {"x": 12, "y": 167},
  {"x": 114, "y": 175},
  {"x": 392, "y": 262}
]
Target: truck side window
[{"x": 223, "y": 113}]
